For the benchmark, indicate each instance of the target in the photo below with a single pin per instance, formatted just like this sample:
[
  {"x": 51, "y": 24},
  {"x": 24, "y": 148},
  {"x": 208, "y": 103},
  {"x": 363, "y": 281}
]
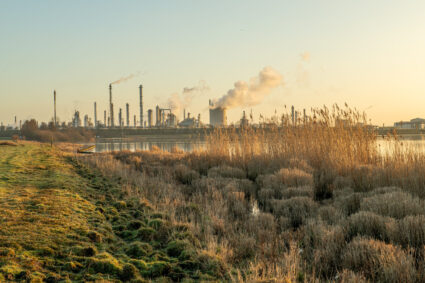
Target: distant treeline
[{"x": 47, "y": 133}]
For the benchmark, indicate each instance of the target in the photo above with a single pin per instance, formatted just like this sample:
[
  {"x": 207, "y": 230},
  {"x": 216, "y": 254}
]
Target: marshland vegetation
[{"x": 314, "y": 202}]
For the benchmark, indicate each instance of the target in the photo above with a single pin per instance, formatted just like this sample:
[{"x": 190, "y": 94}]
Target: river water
[{"x": 188, "y": 144}]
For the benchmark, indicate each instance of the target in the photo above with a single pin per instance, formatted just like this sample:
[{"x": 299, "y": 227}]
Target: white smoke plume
[
  {"x": 124, "y": 79},
  {"x": 253, "y": 92},
  {"x": 177, "y": 102}
]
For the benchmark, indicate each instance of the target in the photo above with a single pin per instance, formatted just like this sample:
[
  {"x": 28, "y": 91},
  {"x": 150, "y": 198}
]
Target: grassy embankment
[
  {"x": 315, "y": 202},
  {"x": 62, "y": 221}
]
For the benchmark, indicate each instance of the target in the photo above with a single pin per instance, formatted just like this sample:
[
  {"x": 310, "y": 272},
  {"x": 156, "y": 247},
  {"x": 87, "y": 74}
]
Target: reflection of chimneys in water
[
  {"x": 141, "y": 105},
  {"x": 54, "y": 106},
  {"x": 304, "y": 116},
  {"x": 111, "y": 108},
  {"x": 127, "y": 108},
  {"x": 120, "y": 118},
  {"x": 95, "y": 115}
]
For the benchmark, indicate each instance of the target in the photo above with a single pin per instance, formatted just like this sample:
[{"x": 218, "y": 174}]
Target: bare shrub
[
  {"x": 238, "y": 207},
  {"x": 379, "y": 261},
  {"x": 184, "y": 174},
  {"x": 294, "y": 177},
  {"x": 244, "y": 248},
  {"x": 323, "y": 184},
  {"x": 411, "y": 232},
  {"x": 270, "y": 181},
  {"x": 323, "y": 246},
  {"x": 364, "y": 177},
  {"x": 369, "y": 224},
  {"x": 330, "y": 215},
  {"x": 349, "y": 203},
  {"x": 264, "y": 198},
  {"x": 226, "y": 172},
  {"x": 297, "y": 209},
  {"x": 395, "y": 204},
  {"x": 303, "y": 191}
]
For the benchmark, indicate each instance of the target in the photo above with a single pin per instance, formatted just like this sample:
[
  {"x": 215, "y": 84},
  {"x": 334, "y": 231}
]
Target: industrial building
[
  {"x": 218, "y": 116},
  {"x": 417, "y": 123}
]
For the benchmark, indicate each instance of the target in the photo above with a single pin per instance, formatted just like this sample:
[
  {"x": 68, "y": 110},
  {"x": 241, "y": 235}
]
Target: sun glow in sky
[{"x": 370, "y": 54}]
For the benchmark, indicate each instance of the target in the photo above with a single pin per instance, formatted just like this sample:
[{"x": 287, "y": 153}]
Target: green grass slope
[{"x": 61, "y": 221}]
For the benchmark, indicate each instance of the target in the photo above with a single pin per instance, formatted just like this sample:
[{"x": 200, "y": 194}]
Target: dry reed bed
[{"x": 330, "y": 206}]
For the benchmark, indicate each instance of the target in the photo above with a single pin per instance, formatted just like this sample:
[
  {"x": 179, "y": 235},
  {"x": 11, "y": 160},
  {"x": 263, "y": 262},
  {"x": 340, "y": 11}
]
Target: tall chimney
[
  {"x": 111, "y": 107},
  {"x": 135, "y": 124},
  {"x": 104, "y": 118},
  {"x": 127, "y": 108},
  {"x": 120, "y": 118},
  {"x": 141, "y": 105},
  {"x": 54, "y": 103},
  {"x": 184, "y": 113},
  {"x": 95, "y": 115}
]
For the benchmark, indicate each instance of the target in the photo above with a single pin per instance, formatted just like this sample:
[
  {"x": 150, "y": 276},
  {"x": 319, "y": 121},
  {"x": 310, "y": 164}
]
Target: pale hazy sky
[{"x": 370, "y": 54}]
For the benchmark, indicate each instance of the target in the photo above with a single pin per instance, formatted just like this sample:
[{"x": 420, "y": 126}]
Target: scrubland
[
  {"x": 315, "y": 202},
  {"x": 318, "y": 201}
]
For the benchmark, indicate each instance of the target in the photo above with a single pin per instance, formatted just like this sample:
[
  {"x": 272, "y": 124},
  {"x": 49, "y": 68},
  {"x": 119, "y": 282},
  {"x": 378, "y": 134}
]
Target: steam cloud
[
  {"x": 124, "y": 79},
  {"x": 178, "y": 102},
  {"x": 253, "y": 92}
]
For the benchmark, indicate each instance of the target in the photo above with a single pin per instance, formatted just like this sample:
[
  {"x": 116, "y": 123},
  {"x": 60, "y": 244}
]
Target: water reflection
[{"x": 186, "y": 146}]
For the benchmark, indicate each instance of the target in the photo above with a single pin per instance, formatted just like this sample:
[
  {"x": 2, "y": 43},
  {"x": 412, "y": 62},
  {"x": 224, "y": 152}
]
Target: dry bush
[
  {"x": 294, "y": 177},
  {"x": 296, "y": 209},
  {"x": 323, "y": 184},
  {"x": 269, "y": 181},
  {"x": 226, "y": 172},
  {"x": 184, "y": 174},
  {"x": 411, "y": 232},
  {"x": 323, "y": 246},
  {"x": 348, "y": 202},
  {"x": 364, "y": 177},
  {"x": 394, "y": 204},
  {"x": 369, "y": 224},
  {"x": 303, "y": 191},
  {"x": 330, "y": 215},
  {"x": 379, "y": 261}
]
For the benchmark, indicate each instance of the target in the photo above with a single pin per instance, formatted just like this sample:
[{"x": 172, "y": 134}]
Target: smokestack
[
  {"x": 135, "y": 124},
  {"x": 127, "y": 108},
  {"x": 95, "y": 115},
  {"x": 104, "y": 118},
  {"x": 141, "y": 105},
  {"x": 111, "y": 107},
  {"x": 184, "y": 114},
  {"x": 54, "y": 106},
  {"x": 120, "y": 118}
]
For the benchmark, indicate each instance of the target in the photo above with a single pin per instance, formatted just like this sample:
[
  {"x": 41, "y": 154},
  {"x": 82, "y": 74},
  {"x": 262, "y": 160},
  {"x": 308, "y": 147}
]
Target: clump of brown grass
[{"x": 379, "y": 261}]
